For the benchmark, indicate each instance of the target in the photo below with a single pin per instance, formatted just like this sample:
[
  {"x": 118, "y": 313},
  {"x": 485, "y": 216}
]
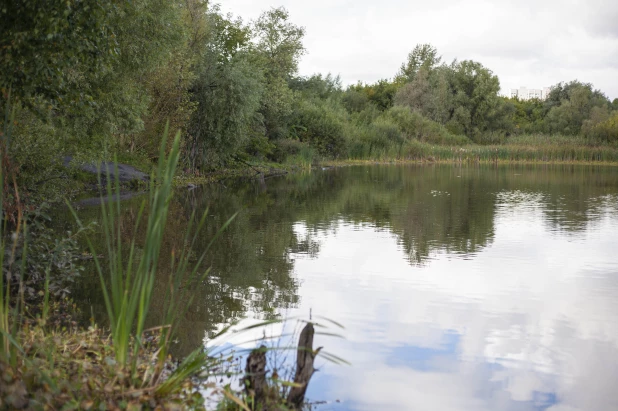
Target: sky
[{"x": 531, "y": 43}]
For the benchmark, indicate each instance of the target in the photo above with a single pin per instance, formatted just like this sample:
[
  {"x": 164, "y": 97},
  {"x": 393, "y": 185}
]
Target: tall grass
[
  {"x": 9, "y": 323},
  {"x": 520, "y": 151},
  {"x": 128, "y": 279},
  {"x": 305, "y": 157}
]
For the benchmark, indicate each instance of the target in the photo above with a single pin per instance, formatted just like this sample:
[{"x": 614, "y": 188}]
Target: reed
[
  {"x": 524, "y": 149},
  {"x": 127, "y": 279}
]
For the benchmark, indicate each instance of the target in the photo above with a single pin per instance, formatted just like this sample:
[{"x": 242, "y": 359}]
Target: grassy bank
[
  {"x": 521, "y": 151},
  {"x": 49, "y": 361}
]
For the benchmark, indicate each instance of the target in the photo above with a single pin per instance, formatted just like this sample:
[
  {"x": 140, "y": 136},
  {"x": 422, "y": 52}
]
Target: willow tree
[
  {"x": 279, "y": 48},
  {"x": 227, "y": 92}
]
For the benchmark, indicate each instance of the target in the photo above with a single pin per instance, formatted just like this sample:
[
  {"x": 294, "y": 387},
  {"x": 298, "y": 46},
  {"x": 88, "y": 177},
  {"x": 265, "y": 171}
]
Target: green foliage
[
  {"x": 604, "y": 129},
  {"x": 278, "y": 49},
  {"x": 45, "y": 46},
  {"x": 91, "y": 78},
  {"x": 463, "y": 95},
  {"x": 570, "y": 105},
  {"x": 279, "y": 43},
  {"x": 381, "y": 94},
  {"x": 228, "y": 97},
  {"x": 527, "y": 116},
  {"x": 476, "y": 91},
  {"x": 317, "y": 86},
  {"x": 415, "y": 126},
  {"x": 355, "y": 101},
  {"x": 321, "y": 125},
  {"x": 423, "y": 56}
]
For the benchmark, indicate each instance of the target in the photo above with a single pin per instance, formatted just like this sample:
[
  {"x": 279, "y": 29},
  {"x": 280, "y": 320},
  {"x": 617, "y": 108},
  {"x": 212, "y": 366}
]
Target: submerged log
[{"x": 304, "y": 367}]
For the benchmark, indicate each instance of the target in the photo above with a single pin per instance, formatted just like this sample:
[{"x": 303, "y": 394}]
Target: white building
[{"x": 524, "y": 93}]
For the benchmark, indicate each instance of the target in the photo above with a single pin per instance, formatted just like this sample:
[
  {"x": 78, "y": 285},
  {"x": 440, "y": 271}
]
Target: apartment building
[{"x": 524, "y": 93}]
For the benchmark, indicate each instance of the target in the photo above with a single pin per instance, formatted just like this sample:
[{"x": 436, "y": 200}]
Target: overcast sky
[{"x": 533, "y": 43}]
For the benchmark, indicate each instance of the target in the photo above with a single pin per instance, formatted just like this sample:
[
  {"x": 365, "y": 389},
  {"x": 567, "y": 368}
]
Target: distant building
[{"x": 524, "y": 93}]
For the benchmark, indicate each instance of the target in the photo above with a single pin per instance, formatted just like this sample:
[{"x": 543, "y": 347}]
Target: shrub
[
  {"x": 606, "y": 130},
  {"x": 321, "y": 125},
  {"x": 415, "y": 126}
]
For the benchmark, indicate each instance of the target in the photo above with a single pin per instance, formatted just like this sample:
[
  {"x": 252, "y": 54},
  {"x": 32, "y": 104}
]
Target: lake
[{"x": 460, "y": 288}]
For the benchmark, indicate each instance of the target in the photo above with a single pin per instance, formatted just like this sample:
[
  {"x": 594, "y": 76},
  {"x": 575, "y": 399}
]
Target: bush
[
  {"x": 321, "y": 125},
  {"x": 380, "y": 139},
  {"x": 415, "y": 126},
  {"x": 287, "y": 147},
  {"x": 606, "y": 130},
  {"x": 35, "y": 148}
]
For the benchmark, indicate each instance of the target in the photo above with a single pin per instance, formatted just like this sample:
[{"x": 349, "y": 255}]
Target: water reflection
[{"x": 460, "y": 288}]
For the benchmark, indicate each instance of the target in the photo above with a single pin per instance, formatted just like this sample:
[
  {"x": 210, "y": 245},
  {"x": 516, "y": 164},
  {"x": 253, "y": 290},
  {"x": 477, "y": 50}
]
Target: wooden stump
[
  {"x": 266, "y": 397},
  {"x": 255, "y": 378},
  {"x": 304, "y": 366}
]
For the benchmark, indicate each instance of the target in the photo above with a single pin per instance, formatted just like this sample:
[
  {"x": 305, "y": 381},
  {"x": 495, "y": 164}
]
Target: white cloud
[{"x": 529, "y": 43}]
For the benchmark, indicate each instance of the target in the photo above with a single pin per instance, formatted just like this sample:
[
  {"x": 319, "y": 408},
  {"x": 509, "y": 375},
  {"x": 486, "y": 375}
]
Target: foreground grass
[
  {"x": 45, "y": 364},
  {"x": 126, "y": 367},
  {"x": 75, "y": 369}
]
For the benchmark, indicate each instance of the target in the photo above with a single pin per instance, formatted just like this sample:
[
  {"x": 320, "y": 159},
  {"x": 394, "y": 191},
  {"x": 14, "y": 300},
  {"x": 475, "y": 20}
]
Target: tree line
[{"x": 83, "y": 78}]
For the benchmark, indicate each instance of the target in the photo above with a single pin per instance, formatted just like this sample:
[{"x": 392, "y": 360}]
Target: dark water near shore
[{"x": 480, "y": 288}]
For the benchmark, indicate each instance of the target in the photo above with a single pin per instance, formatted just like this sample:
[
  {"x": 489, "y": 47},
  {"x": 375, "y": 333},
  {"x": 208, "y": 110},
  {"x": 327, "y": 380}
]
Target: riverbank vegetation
[
  {"x": 87, "y": 81},
  {"x": 93, "y": 80},
  {"x": 69, "y": 367}
]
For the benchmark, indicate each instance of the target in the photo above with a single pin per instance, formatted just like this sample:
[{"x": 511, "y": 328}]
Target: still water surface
[{"x": 479, "y": 288}]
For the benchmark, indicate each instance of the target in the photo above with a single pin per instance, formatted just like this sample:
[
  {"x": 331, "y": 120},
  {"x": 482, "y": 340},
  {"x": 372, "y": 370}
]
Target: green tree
[
  {"x": 317, "y": 86},
  {"x": 354, "y": 101},
  {"x": 321, "y": 124},
  {"x": 423, "y": 56},
  {"x": 279, "y": 48},
  {"x": 462, "y": 95},
  {"x": 569, "y": 105},
  {"x": 475, "y": 90},
  {"x": 279, "y": 42},
  {"x": 381, "y": 94},
  {"x": 228, "y": 93},
  {"x": 43, "y": 42}
]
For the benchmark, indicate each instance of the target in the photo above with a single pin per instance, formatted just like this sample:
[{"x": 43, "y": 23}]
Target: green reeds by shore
[
  {"x": 89, "y": 368},
  {"x": 525, "y": 149}
]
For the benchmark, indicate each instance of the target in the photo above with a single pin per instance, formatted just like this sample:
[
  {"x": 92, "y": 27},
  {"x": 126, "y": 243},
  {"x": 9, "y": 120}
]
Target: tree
[
  {"x": 569, "y": 105},
  {"x": 279, "y": 48},
  {"x": 42, "y": 43},
  {"x": 526, "y": 116},
  {"x": 279, "y": 42},
  {"x": 317, "y": 85},
  {"x": 228, "y": 94},
  {"x": 229, "y": 35},
  {"x": 475, "y": 90},
  {"x": 422, "y": 56},
  {"x": 354, "y": 101},
  {"x": 381, "y": 94},
  {"x": 463, "y": 95},
  {"x": 417, "y": 94}
]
